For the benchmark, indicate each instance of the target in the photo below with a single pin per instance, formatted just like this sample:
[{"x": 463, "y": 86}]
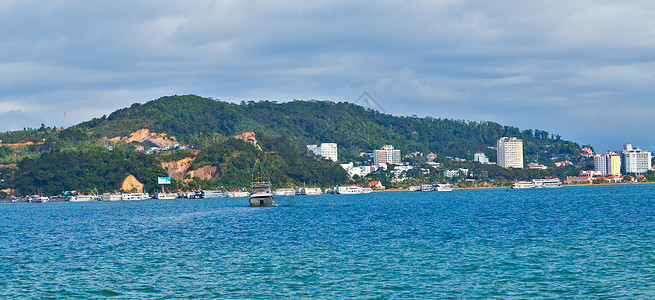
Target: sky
[{"x": 582, "y": 69}]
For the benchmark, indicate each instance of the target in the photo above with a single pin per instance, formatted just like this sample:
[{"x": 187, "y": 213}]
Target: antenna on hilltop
[{"x": 370, "y": 102}]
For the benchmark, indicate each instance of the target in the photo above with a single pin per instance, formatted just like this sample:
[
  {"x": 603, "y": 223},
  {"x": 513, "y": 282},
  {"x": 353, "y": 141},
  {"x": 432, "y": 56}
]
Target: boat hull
[{"x": 261, "y": 200}]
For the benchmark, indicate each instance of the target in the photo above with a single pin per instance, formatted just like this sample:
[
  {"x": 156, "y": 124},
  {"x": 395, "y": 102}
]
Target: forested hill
[{"x": 353, "y": 127}]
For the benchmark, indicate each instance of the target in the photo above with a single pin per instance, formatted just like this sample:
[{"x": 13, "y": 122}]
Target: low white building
[
  {"x": 398, "y": 170},
  {"x": 359, "y": 170},
  {"x": 480, "y": 157},
  {"x": 455, "y": 173}
]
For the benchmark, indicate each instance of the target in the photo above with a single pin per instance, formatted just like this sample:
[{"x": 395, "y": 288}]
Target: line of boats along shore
[
  {"x": 74, "y": 196},
  {"x": 261, "y": 193}
]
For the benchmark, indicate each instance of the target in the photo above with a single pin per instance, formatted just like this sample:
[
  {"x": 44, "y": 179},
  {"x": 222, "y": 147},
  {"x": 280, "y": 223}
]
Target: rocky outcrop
[
  {"x": 177, "y": 169},
  {"x": 248, "y": 137},
  {"x": 205, "y": 173},
  {"x": 9, "y": 191},
  {"x": 132, "y": 184},
  {"x": 144, "y": 135}
]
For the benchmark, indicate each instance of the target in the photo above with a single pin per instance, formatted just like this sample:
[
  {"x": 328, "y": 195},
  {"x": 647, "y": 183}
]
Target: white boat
[
  {"x": 212, "y": 194},
  {"x": 261, "y": 194},
  {"x": 261, "y": 186},
  {"x": 111, "y": 197},
  {"x": 188, "y": 194},
  {"x": 332, "y": 190},
  {"x": 163, "y": 195},
  {"x": 547, "y": 183},
  {"x": 367, "y": 190},
  {"x": 82, "y": 198},
  {"x": 523, "y": 185},
  {"x": 427, "y": 187},
  {"x": 238, "y": 194},
  {"x": 285, "y": 192},
  {"x": 38, "y": 199},
  {"x": 414, "y": 188},
  {"x": 351, "y": 189},
  {"x": 310, "y": 191},
  {"x": 444, "y": 187},
  {"x": 135, "y": 196}
]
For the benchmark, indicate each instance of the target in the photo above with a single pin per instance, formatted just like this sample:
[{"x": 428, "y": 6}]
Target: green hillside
[
  {"x": 51, "y": 159},
  {"x": 354, "y": 128}
]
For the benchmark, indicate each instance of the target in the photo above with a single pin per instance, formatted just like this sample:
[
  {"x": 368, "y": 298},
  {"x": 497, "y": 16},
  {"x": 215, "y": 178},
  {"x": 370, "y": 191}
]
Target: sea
[{"x": 572, "y": 242}]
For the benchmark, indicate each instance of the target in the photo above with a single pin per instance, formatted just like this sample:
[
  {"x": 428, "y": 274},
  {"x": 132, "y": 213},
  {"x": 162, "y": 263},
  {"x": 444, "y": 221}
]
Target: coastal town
[
  {"x": 121, "y": 157},
  {"x": 627, "y": 165}
]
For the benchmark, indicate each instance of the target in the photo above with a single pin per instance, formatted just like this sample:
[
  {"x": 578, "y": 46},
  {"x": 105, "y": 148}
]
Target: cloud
[{"x": 556, "y": 65}]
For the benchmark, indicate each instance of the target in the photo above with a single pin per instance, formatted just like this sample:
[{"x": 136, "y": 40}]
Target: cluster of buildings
[
  {"x": 628, "y": 161},
  {"x": 509, "y": 152},
  {"x": 153, "y": 149},
  {"x": 381, "y": 158}
]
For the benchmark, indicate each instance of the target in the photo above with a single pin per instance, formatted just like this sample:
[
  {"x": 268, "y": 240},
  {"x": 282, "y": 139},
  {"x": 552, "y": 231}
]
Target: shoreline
[{"x": 509, "y": 187}]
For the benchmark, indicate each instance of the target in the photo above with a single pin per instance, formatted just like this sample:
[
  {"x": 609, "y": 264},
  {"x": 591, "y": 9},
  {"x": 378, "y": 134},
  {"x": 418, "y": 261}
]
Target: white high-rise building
[
  {"x": 634, "y": 160},
  {"x": 510, "y": 152},
  {"x": 327, "y": 150}
]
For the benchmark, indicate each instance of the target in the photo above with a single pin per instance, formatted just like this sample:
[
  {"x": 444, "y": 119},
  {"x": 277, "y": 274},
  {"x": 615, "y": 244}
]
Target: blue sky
[{"x": 581, "y": 69}]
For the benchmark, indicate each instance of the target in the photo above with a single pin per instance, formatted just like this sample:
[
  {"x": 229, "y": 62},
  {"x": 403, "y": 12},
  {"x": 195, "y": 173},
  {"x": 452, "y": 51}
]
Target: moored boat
[
  {"x": 285, "y": 192},
  {"x": 205, "y": 194},
  {"x": 82, "y": 198},
  {"x": 523, "y": 185},
  {"x": 547, "y": 183},
  {"x": 111, "y": 197},
  {"x": 311, "y": 191},
  {"x": 444, "y": 187},
  {"x": 351, "y": 189},
  {"x": 427, "y": 187},
  {"x": 164, "y": 195},
  {"x": 135, "y": 196},
  {"x": 232, "y": 194}
]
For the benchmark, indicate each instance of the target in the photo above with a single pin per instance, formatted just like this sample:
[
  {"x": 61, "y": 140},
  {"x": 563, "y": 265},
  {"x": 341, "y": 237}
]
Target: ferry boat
[
  {"x": 523, "y": 185},
  {"x": 38, "y": 199},
  {"x": 538, "y": 183},
  {"x": 285, "y": 192},
  {"x": 232, "y": 194},
  {"x": 82, "y": 198},
  {"x": 427, "y": 187},
  {"x": 135, "y": 196},
  {"x": 261, "y": 187},
  {"x": 310, "y": 191},
  {"x": 547, "y": 183},
  {"x": 351, "y": 189},
  {"x": 444, "y": 187},
  {"x": 212, "y": 194},
  {"x": 111, "y": 197},
  {"x": 164, "y": 195}
]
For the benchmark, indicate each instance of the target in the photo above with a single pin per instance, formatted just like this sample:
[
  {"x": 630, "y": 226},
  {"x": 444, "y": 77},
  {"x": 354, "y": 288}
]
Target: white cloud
[{"x": 569, "y": 62}]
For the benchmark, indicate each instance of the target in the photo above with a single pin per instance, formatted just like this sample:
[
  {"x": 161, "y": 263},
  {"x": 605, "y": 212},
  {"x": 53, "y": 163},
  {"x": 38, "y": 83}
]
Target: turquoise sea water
[{"x": 577, "y": 242}]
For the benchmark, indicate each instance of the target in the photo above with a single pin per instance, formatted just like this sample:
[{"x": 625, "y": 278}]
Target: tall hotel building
[
  {"x": 608, "y": 163},
  {"x": 386, "y": 155},
  {"x": 327, "y": 150},
  {"x": 510, "y": 152},
  {"x": 635, "y": 161}
]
